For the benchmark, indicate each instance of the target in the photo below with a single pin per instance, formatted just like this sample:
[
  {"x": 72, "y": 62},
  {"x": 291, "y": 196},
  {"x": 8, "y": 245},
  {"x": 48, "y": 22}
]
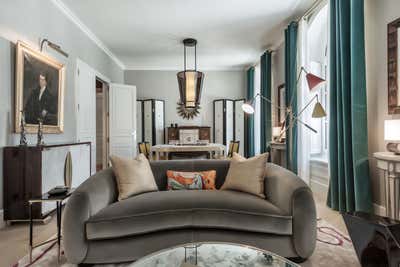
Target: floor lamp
[{"x": 290, "y": 116}]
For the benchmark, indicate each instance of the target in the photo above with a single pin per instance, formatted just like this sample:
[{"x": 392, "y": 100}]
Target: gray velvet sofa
[{"x": 99, "y": 229}]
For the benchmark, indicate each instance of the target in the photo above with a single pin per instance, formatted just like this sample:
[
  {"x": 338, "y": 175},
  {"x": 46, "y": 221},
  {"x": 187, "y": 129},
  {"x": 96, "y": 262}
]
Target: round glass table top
[{"x": 213, "y": 255}]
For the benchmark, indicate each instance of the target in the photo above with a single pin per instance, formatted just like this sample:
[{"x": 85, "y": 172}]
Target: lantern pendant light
[{"x": 190, "y": 80}]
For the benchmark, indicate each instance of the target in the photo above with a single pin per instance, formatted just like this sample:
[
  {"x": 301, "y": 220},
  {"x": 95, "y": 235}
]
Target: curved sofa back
[{"x": 160, "y": 169}]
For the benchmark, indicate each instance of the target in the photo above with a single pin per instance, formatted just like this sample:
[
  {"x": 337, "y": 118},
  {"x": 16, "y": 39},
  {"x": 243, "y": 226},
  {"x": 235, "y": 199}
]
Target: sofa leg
[
  {"x": 297, "y": 259},
  {"x": 85, "y": 265}
]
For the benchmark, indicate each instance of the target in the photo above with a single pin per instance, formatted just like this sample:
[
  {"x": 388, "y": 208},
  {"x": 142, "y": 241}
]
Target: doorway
[{"x": 102, "y": 124}]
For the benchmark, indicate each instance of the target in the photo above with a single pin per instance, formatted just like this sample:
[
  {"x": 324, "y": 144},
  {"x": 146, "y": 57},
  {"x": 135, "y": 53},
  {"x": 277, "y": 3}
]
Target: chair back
[
  {"x": 233, "y": 147},
  {"x": 142, "y": 149}
]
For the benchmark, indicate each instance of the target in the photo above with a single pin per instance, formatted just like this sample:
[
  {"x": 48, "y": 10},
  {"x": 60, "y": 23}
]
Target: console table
[
  {"x": 210, "y": 148},
  {"x": 389, "y": 163},
  {"x": 31, "y": 171}
]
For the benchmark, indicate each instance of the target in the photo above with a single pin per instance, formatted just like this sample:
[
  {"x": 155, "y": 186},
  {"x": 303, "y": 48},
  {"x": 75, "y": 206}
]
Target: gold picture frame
[{"x": 39, "y": 89}]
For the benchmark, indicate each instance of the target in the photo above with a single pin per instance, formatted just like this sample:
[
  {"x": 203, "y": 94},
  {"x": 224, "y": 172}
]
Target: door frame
[{"x": 98, "y": 75}]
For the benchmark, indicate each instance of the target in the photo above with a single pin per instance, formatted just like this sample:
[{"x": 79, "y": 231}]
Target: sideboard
[{"x": 31, "y": 171}]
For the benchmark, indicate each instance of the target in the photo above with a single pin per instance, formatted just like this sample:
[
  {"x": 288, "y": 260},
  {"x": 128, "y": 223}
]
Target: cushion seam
[{"x": 190, "y": 210}]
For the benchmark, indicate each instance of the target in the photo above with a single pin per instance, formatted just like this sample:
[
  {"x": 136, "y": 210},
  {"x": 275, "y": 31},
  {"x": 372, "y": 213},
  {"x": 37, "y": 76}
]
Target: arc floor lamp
[{"x": 290, "y": 115}]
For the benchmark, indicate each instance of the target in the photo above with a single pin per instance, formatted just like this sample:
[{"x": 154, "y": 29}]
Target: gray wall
[
  {"x": 377, "y": 15},
  {"x": 164, "y": 85},
  {"x": 29, "y": 21}
]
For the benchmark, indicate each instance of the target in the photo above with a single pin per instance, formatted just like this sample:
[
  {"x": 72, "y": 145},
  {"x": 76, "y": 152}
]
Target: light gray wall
[
  {"x": 29, "y": 21},
  {"x": 163, "y": 85},
  {"x": 377, "y": 15}
]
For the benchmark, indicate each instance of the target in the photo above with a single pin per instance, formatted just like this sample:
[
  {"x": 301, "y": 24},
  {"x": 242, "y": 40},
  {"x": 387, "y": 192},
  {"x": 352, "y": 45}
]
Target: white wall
[
  {"x": 29, "y": 21},
  {"x": 377, "y": 15},
  {"x": 164, "y": 85}
]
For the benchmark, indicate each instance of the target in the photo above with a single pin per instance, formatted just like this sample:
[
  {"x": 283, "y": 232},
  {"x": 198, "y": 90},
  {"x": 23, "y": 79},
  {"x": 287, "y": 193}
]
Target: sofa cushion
[
  {"x": 133, "y": 176},
  {"x": 178, "y": 180},
  {"x": 169, "y": 210},
  {"x": 246, "y": 175}
]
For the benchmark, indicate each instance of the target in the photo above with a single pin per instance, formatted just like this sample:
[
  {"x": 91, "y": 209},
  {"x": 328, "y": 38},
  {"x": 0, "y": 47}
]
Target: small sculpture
[
  {"x": 40, "y": 141},
  {"x": 22, "y": 140}
]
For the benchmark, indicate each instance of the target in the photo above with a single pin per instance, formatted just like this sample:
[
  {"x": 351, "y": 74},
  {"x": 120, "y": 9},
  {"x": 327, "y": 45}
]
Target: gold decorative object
[{"x": 186, "y": 112}]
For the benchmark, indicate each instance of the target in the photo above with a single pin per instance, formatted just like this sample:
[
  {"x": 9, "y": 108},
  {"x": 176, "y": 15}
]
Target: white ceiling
[{"x": 147, "y": 34}]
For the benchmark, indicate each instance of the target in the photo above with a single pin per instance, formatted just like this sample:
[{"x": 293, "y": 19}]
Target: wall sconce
[{"x": 54, "y": 46}]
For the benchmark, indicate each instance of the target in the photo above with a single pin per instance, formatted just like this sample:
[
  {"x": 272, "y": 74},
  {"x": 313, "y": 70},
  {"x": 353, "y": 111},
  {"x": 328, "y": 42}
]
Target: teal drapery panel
[
  {"x": 249, "y": 146},
  {"x": 349, "y": 188},
  {"x": 265, "y": 90},
  {"x": 291, "y": 93}
]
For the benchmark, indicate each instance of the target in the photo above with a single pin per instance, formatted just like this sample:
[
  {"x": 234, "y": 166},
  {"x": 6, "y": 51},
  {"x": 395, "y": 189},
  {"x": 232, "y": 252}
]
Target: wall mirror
[
  {"x": 281, "y": 103},
  {"x": 393, "y": 40}
]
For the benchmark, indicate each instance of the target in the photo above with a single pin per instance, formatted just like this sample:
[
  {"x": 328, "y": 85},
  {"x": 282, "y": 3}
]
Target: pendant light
[{"x": 190, "y": 80}]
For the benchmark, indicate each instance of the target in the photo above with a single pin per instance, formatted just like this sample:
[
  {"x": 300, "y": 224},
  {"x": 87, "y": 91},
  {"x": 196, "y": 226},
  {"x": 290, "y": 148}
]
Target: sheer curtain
[{"x": 303, "y": 96}]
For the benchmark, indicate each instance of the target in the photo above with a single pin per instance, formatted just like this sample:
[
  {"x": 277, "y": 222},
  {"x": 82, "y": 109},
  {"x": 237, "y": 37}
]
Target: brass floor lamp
[{"x": 290, "y": 116}]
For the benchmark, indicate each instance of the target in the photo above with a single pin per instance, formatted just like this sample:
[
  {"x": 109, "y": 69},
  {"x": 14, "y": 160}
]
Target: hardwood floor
[{"x": 14, "y": 238}]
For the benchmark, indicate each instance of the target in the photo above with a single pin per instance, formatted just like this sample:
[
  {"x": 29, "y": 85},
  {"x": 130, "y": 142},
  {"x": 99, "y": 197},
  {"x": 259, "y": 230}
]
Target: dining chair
[
  {"x": 233, "y": 147},
  {"x": 143, "y": 149}
]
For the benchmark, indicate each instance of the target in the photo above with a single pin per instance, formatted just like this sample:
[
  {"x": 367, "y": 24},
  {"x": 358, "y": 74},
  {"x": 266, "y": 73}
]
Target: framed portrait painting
[{"x": 39, "y": 90}]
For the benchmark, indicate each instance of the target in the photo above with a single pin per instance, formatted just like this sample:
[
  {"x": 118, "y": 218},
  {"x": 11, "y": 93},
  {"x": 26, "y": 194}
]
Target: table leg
[
  {"x": 157, "y": 155},
  {"x": 30, "y": 232},
  {"x": 58, "y": 229}
]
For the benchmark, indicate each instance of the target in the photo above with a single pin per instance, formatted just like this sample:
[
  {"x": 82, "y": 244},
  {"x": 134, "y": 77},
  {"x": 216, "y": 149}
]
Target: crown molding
[{"x": 74, "y": 18}]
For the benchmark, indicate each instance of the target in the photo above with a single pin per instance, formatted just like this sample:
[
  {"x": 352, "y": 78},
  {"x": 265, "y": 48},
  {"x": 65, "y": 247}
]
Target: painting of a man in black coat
[{"x": 41, "y": 103}]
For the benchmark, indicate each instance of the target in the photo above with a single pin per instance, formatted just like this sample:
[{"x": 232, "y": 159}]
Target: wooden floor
[{"x": 14, "y": 238}]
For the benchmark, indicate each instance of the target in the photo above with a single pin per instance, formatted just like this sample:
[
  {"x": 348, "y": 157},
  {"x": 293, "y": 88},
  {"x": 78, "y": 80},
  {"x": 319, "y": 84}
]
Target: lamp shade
[
  {"x": 392, "y": 130},
  {"x": 276, "y": 131},
  {"x": 190, "y": 84},
  {"x": 318, "y": 111},
  {"x": 313, "y": 80},
  {"x": 248, "y": 108}
]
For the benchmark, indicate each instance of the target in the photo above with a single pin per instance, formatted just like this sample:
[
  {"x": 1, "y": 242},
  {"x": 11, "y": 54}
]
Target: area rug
[{"x": 333, "y": 249}]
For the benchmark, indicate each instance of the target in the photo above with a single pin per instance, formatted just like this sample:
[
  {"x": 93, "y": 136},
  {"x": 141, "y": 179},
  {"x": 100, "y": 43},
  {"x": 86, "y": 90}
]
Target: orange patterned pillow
[{"x": 178, "y": 180}]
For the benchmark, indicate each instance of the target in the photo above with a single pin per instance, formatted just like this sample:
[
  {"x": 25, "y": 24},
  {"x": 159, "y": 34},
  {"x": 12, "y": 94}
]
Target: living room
[{"x": 187, "y": 133}]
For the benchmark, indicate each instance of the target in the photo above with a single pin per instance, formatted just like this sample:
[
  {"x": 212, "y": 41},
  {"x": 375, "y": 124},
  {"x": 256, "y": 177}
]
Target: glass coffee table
[{"x": 213, "y": 254}]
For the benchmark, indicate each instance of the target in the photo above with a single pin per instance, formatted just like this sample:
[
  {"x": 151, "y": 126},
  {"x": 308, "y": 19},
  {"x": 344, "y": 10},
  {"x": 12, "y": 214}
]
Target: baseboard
[
  {"x": 2, "y": 222},
  {"x": 379, "y": 210}
]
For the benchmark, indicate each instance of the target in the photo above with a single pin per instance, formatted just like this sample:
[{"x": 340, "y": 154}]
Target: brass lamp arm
[{"x": 267, "y": 100}]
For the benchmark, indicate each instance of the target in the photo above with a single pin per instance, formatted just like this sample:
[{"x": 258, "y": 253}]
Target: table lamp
[{"x": 392, "y": 135}]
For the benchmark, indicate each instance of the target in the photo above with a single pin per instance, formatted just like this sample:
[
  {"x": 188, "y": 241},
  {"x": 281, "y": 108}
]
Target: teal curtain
[
  {"x": 350, "y": 188},
  {"x": 291, "y": 93},
  {"x": 265, "y": 90},
  {"x": 249, "y": 118}
]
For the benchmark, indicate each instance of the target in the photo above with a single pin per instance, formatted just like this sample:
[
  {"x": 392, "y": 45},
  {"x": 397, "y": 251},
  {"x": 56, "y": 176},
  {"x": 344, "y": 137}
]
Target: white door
[
  {"x": 122, "y": 120},
  {"x": 86, "y": 107}
]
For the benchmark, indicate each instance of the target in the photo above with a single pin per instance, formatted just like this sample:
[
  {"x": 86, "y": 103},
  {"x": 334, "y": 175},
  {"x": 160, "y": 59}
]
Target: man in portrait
[{"x": 41, "y": 103}]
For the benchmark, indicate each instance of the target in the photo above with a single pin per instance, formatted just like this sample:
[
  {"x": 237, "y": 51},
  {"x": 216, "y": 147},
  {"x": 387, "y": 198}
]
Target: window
[
  {"x": 317, "y": 63},
  {"x": 257, "y": 108}
]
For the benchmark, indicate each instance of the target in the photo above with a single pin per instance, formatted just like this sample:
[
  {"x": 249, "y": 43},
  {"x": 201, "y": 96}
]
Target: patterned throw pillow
[{"x": 178, "y": 180}]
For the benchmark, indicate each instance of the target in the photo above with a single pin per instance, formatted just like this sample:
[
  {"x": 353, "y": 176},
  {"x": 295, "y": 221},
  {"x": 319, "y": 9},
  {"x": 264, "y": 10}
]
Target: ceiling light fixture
[{"x": 190, "y": 80}]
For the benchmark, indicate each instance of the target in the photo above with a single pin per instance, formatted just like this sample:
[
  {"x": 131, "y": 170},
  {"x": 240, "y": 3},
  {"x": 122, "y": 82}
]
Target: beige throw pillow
[
  {"x": 246, "y": 175},
  {"x": 134, "y": 176}
]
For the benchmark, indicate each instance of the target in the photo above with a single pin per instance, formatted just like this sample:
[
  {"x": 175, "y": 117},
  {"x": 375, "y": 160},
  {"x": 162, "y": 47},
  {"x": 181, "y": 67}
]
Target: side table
[
  {"x": 389, "y": 163},
  {"x": 47, "y": 198}
]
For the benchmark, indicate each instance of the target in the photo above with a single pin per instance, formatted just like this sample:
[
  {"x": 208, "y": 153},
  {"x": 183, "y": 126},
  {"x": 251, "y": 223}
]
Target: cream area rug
[{"x": 333, "y": 249}]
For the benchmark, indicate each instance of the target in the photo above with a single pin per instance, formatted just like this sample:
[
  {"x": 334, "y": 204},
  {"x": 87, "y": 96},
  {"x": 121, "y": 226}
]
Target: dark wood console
[
  {"x": 31, "y": 171},
  {"x": 173, "y": 132}
]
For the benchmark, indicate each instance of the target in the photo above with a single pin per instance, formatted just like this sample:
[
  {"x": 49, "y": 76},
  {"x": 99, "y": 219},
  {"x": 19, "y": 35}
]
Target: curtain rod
[{"x": 309, "y": 11}]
